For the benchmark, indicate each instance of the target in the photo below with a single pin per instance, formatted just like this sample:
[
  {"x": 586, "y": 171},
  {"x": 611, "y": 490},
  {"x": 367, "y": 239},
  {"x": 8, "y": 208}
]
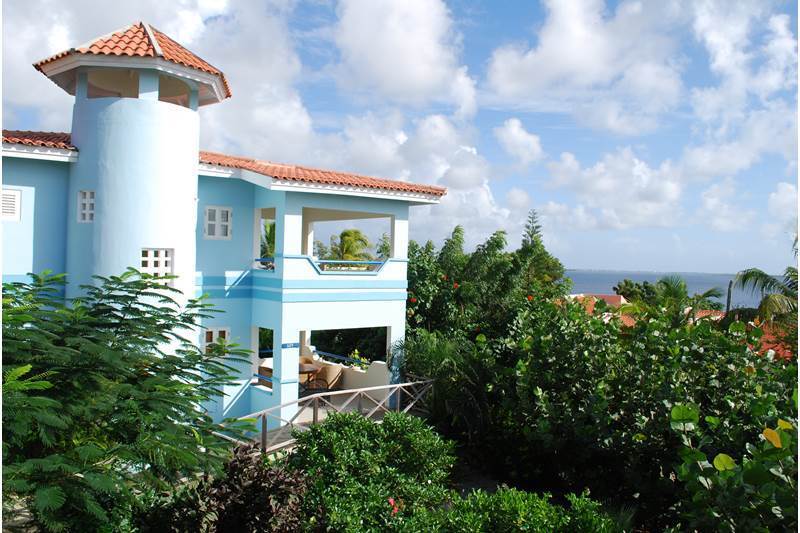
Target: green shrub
[
  {"x": 97, "y": 408},
  {"x": 251, "y": 495},
  {"x": 565, "y": 401},
  {"x": 512, "y": 510},
  {"x": 752, "y": 490},
  {"x": 355, "y": 466}
]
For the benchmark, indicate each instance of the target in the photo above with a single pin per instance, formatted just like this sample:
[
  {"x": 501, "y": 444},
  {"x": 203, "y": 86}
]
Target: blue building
[{"x": 130, "y": 187}]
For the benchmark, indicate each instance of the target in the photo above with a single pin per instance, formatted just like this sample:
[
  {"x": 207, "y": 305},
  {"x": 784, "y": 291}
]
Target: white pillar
[
  {"x": 308, "y": 237},
  {"x": 286, "y": 358},
  {"x": 399, "y": 237}
]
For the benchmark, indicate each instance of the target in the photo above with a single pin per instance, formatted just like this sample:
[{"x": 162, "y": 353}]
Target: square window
[
  {"x": 218, "y": 222},
  {"x": 214, "y": 335},
  {"x": 157, "y": 262},
  {"x": 85, "y": 206}
]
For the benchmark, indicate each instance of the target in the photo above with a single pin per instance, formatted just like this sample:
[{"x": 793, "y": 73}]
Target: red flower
[
  {"x": 530, "y": 298},
  {"x": 391, "y": 501},
  {"x": 455, "y": 285},
  {"x": 412, "y": 300},
  {"x": 394, "y": 510}
]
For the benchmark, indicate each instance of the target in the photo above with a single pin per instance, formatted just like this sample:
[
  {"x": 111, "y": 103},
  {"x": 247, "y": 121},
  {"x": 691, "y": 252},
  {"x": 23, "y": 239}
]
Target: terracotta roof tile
[
  {"x": 276, "y": 170},
  {"x": 315, "y": 175},
  {"x": 134, "y": 40},
  {"x": 38, "y": 138}
]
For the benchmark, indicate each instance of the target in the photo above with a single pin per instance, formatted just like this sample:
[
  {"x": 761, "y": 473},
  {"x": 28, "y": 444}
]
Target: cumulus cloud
[
  {"x": 620, "y": 190},
  {"x": 613, "y": 72},
  {"x": 781, "y": 211},
  {"x": 520, "y": 144},
  {"x": 407, "y": 51},
  {"x": 718, "y": 212},
  {"x": 769, "y": 130}
]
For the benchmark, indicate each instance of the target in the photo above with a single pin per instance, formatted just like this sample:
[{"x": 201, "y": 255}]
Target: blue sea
[{"x": 603, "y": 281}]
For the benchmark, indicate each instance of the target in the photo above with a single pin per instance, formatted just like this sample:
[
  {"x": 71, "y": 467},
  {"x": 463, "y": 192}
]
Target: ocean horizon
[{"x": 599, "y": 281}]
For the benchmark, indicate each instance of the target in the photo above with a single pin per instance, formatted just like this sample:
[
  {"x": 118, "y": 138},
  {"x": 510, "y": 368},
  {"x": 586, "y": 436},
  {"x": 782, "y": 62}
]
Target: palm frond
[
  {"x": 775, "y": 305},
  {"x": 757, "y": 281}
]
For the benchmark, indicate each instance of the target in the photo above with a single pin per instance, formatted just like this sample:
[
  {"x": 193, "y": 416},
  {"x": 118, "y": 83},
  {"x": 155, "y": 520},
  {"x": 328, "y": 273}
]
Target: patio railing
[
  {"x": 328, "y": 265},
  {"x": 370, "y": 401},
  {"x": 266, "y": 263}
]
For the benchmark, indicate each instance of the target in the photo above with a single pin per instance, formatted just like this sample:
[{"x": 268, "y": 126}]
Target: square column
[
  {"x": 399, "y": 237},
  {"x": 285, "y": 363}
]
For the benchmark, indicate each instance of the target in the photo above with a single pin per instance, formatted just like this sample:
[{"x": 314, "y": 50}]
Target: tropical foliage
[
  {"x": 349, "y": 245},
  {"x": 549, "y": 397},
  {"x": 268, "y": 239},
  {"x": 102, "y": 399},
  {"x": 778, "y": 295},
  {"x": 250, "y": 494},
  {"x": 350, "y": 474}
]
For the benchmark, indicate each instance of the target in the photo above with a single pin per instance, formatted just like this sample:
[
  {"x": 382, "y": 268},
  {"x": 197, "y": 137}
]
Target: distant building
[{"x": 129, "y": 186}]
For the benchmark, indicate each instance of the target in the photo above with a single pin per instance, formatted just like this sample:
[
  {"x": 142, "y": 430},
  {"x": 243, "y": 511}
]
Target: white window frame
[
  {"x": 215, "y": 335},
  {"x": 86, "y": 206},
  {"x": 217, "y": 210},
  {"x": 16, "y": 194},
  {"x": 165, "y": 259}
]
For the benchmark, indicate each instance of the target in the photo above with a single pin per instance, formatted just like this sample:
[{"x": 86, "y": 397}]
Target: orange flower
[
  {"x": 530, "y": 298},
  {"x": 455, "y": 285}
]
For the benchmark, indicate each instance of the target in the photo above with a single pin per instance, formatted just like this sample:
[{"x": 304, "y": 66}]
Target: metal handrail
[
  {"x": 336, "y": 393},
  {"x": 413, "y": 390},
  {"x": 348, "y": 262},
  {"x": 265, "y": 378},
  {"x": 341, "y": 358}
]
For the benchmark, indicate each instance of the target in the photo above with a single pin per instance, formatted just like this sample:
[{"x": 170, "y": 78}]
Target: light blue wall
[
  {"x": 140, "y": 158},
  {"x": 38, "y": 241},
  {"x": 215, "y": 256},
  {"x": 348, "y": 203}
]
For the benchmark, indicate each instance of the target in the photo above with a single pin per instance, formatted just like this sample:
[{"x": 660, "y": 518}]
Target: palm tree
[
  {"x": 352, "y": 245},
  {"x": 778, "y": 296},
  {"x": 268, "y": 239}
]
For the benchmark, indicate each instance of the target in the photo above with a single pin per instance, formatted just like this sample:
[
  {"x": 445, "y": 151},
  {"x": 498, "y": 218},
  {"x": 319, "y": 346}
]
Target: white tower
[{"x": 133, "y": 191}]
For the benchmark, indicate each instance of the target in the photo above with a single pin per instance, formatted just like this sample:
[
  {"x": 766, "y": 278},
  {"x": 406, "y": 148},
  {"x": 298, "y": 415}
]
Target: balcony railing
[
  {"x": 330, "y": 265},
  {"x": 327, "y": 265},
  {"x": 266, "y": 263}
]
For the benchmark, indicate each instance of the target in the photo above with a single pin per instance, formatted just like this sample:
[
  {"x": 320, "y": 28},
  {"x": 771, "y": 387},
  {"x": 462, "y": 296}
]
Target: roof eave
[{"x": 61, "y": 68}]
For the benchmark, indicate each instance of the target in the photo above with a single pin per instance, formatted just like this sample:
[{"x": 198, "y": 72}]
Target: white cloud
[
  {"x": 524, "y": 146},
  {"x": 559, "y": 216},
  {"x": 407, "y": 51},
  {"x": 621, "y": 190},
  {"x": 726, "y": 30},
  {"x": 769, "y": 130},
  {"x": 614, "y": 72},
  {"x": 518, "y": 200},
  {"x": 719, "y": 213},
  {"x": 781, "y": 211}
]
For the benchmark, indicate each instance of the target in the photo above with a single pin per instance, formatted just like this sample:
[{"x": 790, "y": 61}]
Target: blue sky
[{"x": 655, "y": 135}]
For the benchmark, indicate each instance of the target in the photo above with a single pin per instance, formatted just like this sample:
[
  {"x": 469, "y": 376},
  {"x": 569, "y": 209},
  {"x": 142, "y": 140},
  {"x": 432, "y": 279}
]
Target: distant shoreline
[{"x": 648, "y": 272}]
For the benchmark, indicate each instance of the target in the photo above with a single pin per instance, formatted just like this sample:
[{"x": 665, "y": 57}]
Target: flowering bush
[
  {"x": 368, "y": 476},
  {"x": 566, "y": 401}
]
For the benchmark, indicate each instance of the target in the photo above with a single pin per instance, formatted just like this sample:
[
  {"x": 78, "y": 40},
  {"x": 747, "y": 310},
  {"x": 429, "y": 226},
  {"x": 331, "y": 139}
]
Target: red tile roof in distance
[
  {"x": 135, "y": 40},
  {"x": 315, "y": 175},
  {"x": 276, "y": 170},
  {"x": 44, "y": 139}
]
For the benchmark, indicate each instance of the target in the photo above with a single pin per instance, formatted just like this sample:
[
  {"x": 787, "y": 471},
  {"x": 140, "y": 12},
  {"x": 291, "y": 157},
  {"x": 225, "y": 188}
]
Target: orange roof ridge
[
  {"x": 140, "y": 39},
  {"x": 280, "y": 171}
]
